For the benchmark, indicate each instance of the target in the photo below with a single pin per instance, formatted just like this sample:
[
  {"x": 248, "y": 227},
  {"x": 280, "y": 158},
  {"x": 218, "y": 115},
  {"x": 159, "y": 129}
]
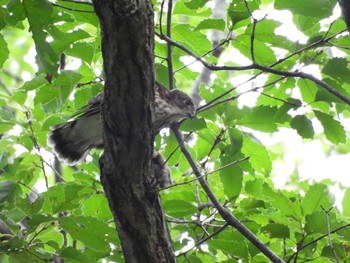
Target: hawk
[{"x": 72, "y": 141}]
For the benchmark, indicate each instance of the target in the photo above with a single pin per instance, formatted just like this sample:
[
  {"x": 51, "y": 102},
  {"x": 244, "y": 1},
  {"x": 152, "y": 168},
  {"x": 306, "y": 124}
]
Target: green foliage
[{"x": 71, "y": 219}]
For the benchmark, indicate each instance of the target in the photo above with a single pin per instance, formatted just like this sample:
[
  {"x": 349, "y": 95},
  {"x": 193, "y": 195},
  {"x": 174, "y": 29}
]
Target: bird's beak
[{"x": 192, "y": 114}]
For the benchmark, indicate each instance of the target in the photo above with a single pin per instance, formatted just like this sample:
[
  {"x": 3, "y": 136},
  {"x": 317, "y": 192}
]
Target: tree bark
[{"x": 127, "y": 48}]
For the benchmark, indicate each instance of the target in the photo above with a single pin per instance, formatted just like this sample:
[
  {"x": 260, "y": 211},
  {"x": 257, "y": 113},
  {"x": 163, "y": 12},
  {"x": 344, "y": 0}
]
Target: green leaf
[
  {"x": 193, "y": 124},
  {"x": 333, "y": 130},
  {"x": 179, "y": 208},
  {"x": 258, "y": 155},
  {"x": 231, "y": 178},
  {"x": 71, "y": 253},
  {"x": 35, "y": 83},
  {"x": 4, "y": 51},
  {"x": 39, "y": 17},
  {"x": 62, "y": 197},
  {"x": 308, "y": 90},
  {"x": 60, "y": 45},
  {"x": 346, "y": 203},
  {"x": 94, "y": 233},
  {"x": 84, "y": 51},
  {"x": 316, "y": 223},
  {"x": 237, "y": 11},
  {"x": 5, "y": 127},
  {"x": 274, "y": 230},
  {"x": 310, "y": 8},
  {"x": 233, "y": 248},
  {"x": 193, "y": 40},
  {"x": 15, "y": 12},
  {"x": 211, "y": 23},
  {"x": 316, "y": 197},
  {"x": 337, "y": 68},
  {"x": 303, "y": 126},
  {"x": 282, "y": 203},
  {"x": 262, "y": 53},
  {"x": 8, "y": 189},
  {"x": 195, "y": 4},
  {"x": 259, "y": 118}
]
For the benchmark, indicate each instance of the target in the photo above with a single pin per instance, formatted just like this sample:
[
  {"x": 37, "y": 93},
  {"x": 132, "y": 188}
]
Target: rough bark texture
[{"x": 127, "y": 47}]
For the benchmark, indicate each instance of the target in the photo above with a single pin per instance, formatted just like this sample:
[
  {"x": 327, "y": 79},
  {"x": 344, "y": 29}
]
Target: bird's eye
[{"x": 187, "y": 102}]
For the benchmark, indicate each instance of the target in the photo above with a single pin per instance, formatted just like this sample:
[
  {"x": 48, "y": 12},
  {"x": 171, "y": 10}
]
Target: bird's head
[{"x": 182, "y": 104}]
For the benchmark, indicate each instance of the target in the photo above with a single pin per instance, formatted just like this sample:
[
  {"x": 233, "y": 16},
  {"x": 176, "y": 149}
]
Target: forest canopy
[{"x": 271, "y": 79}]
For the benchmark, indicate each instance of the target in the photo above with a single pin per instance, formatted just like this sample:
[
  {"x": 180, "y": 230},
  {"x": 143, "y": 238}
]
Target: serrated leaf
[
  {"x": 316, "y": 197},
  {"x": 194, "y": 40},
  {"x": 258, "y": 155},
  {"x": 179, "y": 208},
  {"x": 303, "y": 126},
  {"x": 310, "y": 8},
  {"x": 333, "y": 130},
  {"x": 308, "y": 90},
  {"x": 337, "y": 68},
  {"x": 281, "y": 202},
  {"x": 259, "y": 118},
  {"x": 231, "y": 178},
  {"x": 210, "y": 23}
]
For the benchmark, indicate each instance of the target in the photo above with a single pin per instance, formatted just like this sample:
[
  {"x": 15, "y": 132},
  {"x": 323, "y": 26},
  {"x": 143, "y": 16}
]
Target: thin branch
[
  {"x": 226, "y": 215},
  {"x": 329, "y": 233},
  {"x": 37, "y": 147},
  {"x": 252, "y": 36},
  {"x": 205, "y": 239},
  {"x": 76, "y": 2},
  {"x": 161, "y": 17},
  {"x": 268, "y": 69},
  {"x": 169, "y": 46},
  {"x": 73, "y": 9}
]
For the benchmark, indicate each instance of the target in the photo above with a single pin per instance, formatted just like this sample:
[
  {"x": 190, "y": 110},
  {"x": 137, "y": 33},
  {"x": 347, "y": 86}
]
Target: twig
[
  {"x": 76, "y": 2},
  {"x": 268, "y": 69},
  {"x": 37, "y": 147},
  {"x": 73, "y": 9},
  {"x": 329, "y": 233},
  {"x": 169, "y": 46}
]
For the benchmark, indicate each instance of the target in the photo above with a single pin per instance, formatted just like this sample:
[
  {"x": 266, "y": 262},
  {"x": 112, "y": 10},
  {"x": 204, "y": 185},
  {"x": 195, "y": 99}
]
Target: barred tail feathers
[{"x": 72, "y": 141}]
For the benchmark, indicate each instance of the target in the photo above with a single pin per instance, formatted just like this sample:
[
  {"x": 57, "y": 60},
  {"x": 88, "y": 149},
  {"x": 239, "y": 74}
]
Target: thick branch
[{"x": 127, "y": 47}]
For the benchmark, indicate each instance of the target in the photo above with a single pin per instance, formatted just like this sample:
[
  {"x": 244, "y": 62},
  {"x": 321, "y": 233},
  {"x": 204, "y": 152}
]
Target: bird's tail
[{"x": 72, "y": 141}]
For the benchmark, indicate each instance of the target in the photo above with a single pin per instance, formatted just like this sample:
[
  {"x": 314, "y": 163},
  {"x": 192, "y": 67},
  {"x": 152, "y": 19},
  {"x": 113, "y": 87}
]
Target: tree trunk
[{"x": 127, "y": 47}]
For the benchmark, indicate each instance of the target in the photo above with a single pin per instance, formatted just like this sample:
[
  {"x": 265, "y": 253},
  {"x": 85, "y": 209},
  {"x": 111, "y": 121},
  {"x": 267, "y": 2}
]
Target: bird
[{"x": 72, "y": 141}]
